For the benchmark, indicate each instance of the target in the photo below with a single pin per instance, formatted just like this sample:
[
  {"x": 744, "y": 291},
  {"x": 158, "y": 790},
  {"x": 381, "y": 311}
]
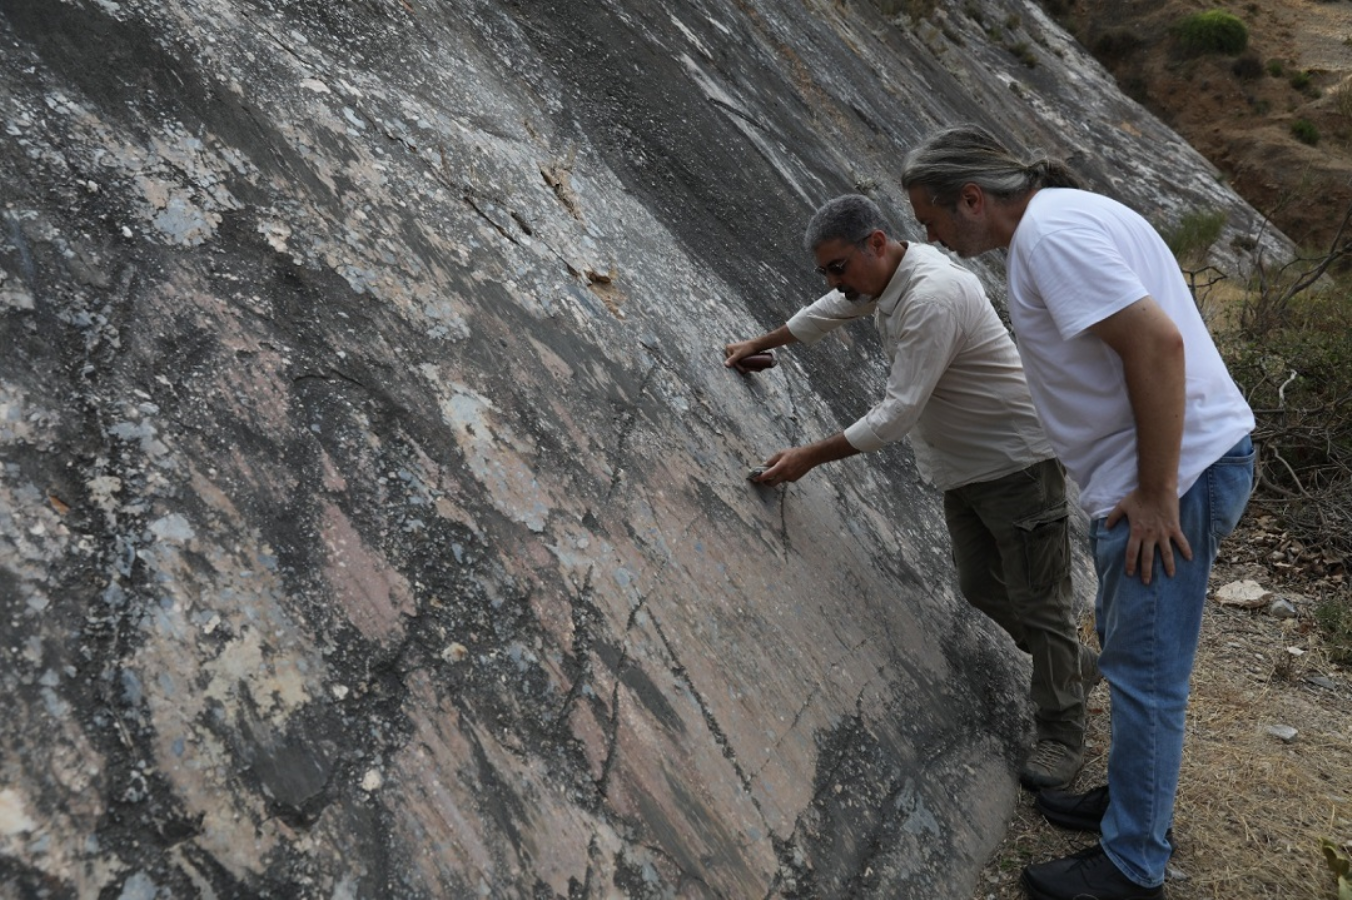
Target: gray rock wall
[{"x": 373, "y": 519}]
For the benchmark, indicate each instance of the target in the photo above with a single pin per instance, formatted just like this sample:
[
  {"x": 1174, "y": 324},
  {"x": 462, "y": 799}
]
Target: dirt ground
[
  {"x": 1252, "y": 808},
  {"x": 1239, "y": 111}
]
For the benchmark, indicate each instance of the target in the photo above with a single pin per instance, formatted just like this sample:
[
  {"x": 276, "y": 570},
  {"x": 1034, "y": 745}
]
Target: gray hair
[
  {"x": 969, "y": 154},
  {"x": 851, "y": 219}
]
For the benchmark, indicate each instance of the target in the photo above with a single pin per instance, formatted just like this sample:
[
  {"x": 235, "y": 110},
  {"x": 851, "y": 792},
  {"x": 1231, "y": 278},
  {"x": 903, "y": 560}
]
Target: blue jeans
[{"x": 1149, "y": 636}]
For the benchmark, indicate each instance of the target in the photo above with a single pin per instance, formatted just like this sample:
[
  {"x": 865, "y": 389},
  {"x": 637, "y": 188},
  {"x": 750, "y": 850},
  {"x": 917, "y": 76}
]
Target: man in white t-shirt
[
  {"x": 1139, "y": 406},
  {"x": 956, "y": 387}
]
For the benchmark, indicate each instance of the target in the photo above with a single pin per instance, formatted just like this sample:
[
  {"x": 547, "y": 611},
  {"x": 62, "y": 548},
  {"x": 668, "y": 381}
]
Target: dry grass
[{"x": 1251, "y": 809}]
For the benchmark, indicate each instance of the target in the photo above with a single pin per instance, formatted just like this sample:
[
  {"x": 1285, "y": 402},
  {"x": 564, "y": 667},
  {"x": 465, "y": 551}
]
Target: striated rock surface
[{"x": 373, "y": 519}]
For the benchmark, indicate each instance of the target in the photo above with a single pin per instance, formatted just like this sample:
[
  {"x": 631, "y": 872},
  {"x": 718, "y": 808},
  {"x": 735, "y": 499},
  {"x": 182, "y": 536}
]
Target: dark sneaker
[
  {"x": 1078, "y": 812},
  {"x": 1087, "y": 875},
  {"x": 1052, "y": 764}
]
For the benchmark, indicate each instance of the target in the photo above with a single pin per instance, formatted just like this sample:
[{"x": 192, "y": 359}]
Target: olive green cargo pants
[{"x": 1011, "y": 547}]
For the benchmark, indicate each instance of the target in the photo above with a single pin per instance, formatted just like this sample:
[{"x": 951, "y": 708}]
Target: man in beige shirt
[{"x": 956, "y": 388}]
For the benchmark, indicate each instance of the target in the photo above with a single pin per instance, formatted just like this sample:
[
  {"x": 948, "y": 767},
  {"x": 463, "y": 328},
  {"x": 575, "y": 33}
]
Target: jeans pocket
[
  {"x": 1230, "y": 481},
  {"x": 1046, "y": 546}
]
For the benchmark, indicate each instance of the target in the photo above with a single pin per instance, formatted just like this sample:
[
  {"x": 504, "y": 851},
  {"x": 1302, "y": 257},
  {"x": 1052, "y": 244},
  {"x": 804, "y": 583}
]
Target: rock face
[{"x": 373, "y": 500}]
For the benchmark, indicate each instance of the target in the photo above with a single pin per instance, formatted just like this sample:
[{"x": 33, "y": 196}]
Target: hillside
[{"x": 1239, "y": 110}]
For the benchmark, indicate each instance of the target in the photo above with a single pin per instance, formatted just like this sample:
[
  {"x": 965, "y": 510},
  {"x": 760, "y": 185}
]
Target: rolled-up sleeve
[
  {"x": 928, "y": 341},
  {"x": 830, "y": 311}
]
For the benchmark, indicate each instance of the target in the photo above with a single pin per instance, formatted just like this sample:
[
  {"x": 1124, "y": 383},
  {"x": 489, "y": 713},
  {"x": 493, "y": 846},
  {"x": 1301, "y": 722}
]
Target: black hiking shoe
[
  {"x": 1087, "y": 875},
  {"x": 1080, "y": 812}
]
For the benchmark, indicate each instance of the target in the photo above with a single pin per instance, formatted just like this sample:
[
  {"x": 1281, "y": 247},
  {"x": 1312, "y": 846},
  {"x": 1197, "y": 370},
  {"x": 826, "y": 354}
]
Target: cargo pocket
[{"x": 1046, "y": 546}]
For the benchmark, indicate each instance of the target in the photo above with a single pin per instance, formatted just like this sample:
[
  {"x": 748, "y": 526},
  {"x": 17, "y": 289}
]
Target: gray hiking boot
[
  {"x": 1052, "y": 764},
  {"x": 1090, "y": 675}
]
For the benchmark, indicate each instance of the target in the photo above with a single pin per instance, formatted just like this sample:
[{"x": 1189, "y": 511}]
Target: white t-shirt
[
  {"x": 1075, "y": 259},
  {"x": 955, "y": 384}
]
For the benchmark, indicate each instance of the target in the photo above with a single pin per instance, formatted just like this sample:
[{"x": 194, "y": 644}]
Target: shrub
[
  {"x": 1024, "y": 54},
  {"x": 1295, "y": 367},
  {"x": 1116, "y": 44},
  {"x": 1300, "y": 80},
  {"x": 1305, "y": 131},
  {"x": 1194, "y": 234},
  {"x": 1247, "y": 67},
  {"x": 1342, "y": 99},
  {"x": 1212, "y": 31},
  {"x": 1275, "y": 68},
  {"x": 1334, "y": 616}
]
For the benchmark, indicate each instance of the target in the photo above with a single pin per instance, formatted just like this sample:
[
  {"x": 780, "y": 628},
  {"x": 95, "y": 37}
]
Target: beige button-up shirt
[{"x": 956, "y": 385}]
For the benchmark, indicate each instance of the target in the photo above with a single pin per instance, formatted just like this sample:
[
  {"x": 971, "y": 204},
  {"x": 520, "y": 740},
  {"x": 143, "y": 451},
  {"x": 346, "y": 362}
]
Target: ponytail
[
  {"x": 969, "y": 154},
  {"x": 1053, "y": 173}
]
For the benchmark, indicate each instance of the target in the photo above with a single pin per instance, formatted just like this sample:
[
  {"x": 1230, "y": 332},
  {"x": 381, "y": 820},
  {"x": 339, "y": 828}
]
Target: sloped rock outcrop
[{"x": 373, "y": 498}]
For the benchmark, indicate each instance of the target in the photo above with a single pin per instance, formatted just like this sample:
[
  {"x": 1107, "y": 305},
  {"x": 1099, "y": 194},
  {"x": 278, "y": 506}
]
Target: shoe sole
[
  {"x": 1032, "y": 785},
  {"x": 1036, "y": 894}
]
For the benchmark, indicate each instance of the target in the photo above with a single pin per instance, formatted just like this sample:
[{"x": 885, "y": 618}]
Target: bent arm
[{"x": 1152, "y": 354}]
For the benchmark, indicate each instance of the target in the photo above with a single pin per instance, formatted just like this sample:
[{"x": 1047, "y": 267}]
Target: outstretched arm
[
  {"x": 1151, "y": 349},
  {"x": 792, "y": 464}
]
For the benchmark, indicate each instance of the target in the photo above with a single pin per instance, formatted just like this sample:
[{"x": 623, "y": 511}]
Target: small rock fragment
[
  {"x": 1243, "y": 594},
  {"x": 1284, "y": 733},
  {"x": 372, "y": 780},
  {"x": 1281, "y": 608},
  {"x": 455, "y": 652}
]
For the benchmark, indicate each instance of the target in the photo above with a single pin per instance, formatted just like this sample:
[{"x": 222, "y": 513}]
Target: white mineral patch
[
  {"x": 172, "y": 528},
  {"x": 276, "y": 234},
  {"x": 345, "y": 889},
  {"x": 494, "y": 454},
  {"x": 13, "y": 817},
  {"x": 139, "y": 887},
  {"x": 273, "y": 681},
  {"x": 102, "y": 489},
  {"x": 13, "y": 294},
  {"x": 691, "y": 37},
  {"x": 450, "y": 323},
  {"x": 142, "y": 432},
  {"x": 184, "y": 222},
  {"x": 12, "y": 424},
  {"x": 372, "y": 780}
]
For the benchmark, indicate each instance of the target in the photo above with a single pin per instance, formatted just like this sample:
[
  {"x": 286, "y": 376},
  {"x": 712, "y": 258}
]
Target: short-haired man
[
  {"x": 957, "y": 388},
  {"x": 1140, "y": 407}
]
